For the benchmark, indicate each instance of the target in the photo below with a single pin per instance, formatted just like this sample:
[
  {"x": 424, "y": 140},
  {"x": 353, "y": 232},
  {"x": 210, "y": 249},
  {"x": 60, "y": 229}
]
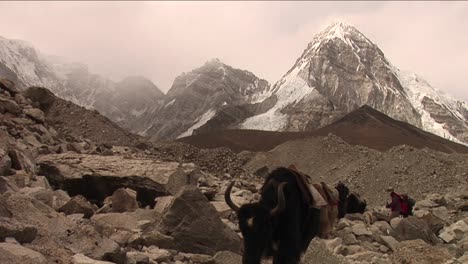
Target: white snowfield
[{"x": 200, "y": 121}]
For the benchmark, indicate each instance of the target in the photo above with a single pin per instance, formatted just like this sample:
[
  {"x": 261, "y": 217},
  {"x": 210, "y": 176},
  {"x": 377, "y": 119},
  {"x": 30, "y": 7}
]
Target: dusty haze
[{"x": 160, "y": 40}]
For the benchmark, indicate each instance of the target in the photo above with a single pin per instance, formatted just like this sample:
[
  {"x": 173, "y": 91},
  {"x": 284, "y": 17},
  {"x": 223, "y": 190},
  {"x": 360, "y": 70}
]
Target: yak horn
[
  {"x": 227, "y": 198},
  {"x": 281, "y": 202}
]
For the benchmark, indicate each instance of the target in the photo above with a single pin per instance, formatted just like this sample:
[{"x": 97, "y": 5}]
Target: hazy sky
[{"x": 160, "y": 40}]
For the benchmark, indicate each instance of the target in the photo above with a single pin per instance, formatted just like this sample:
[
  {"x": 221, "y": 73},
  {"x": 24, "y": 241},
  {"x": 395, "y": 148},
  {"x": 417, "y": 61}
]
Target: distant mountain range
[{"x": 339, "y": 71}]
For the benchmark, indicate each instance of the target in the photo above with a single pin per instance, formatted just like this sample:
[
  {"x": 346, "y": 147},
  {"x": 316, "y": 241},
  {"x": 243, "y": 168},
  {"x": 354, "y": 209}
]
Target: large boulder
[
  {"x": 411, "y": 228},
  {"x": 42, "y": 97},
  {"x": 195, "y": 225},
  {"x": 17, "y": 254},
  {"x": 99, "y": 176},
  {"x": 23, "y": 233},
  {"x": 35, "y": 114},
  {"x": 454, "y": 232},
  {"x": 5, "y": 162},
  {"x": 78, "y": 205},
  {"x": 8, "y": 85},
  {"x": 55, "y": 199},
  {"x": 124, "y": 200},
  {"x": 6, "y": 184},
  {"x": 9, "y": 106}
]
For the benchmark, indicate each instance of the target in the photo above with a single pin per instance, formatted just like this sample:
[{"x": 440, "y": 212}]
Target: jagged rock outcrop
[
  {"x": 195, "y": 226},
  {"x": 97, "y": 177}
]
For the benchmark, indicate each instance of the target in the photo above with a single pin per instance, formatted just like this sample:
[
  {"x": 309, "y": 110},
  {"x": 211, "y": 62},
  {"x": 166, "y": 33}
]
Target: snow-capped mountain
[
  {"x": 340, "y": 71},
  {"x": 196, "y": 97},
  {"x": 123, "y": 102}
]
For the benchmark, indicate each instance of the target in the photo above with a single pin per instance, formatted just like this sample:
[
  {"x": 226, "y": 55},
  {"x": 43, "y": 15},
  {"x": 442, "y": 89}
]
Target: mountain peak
[
  {"x": 339, "y": 30},
  {"x": 214, "y": 62}
]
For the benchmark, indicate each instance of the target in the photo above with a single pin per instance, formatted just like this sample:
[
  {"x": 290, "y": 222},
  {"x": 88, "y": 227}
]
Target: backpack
[
  {"x": 411, "y": 203},
  {"x": 408, "y": 204}
]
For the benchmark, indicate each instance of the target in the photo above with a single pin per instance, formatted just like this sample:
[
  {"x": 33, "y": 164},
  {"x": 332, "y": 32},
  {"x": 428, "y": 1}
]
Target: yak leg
[
  {"x": 311, "y": 227},
  {"x": 324, "y": 222},
  {"x": 332, "y": 216},
  {"x": 290, "y": 242}
]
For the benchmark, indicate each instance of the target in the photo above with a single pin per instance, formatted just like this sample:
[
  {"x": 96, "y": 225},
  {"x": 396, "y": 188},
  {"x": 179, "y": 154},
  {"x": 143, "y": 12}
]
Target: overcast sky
[{"x": 160, "y": 40}]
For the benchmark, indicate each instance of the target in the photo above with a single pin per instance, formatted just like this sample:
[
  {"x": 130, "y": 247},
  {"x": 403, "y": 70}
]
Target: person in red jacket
[{"x": 395, "y": 205}]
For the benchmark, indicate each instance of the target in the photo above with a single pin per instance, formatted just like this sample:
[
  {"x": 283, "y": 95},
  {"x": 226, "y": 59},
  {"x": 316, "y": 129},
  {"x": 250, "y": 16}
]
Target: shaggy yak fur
[
  {"x": 280, "y": 225},
  {"x": 349, "y": 203}
]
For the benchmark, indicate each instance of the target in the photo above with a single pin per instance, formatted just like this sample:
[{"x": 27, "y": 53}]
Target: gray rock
[
  {"x": 195, "y": 225},
  {"x": 6, "y": 184},
  {"x": 104, "y": 174},
  {"x": 355, "y": 217},
  {"x": 411, "y": 228},
  {"x": 78, "y": 205},
  {"x": 383, "y": 227},
  {"x": 455, "y": 231},
  {"x": 159, "y": 255},
  {"x": 23, "y": 233},
  {"x": 8, "y": 85},
  {"x": 227, "y": 257},
  {"x": 317, "y": 252},
  {"x": 137, "y": 258},
  {"x": 441, "y": 212},
  {"x": 10, "y": 106},
  {"x": 35, "y": 114},
  {"x": 121, "y": 221},
  {"x": 163, "y": 203},
  {"x": 82, "y": 259},
  {"x": 418, "y": 251},
  {"x": 390, "y": 242},
  {"x": 5, "y": 163},
  {"x": 124, "y": 200},
  {"x": 55, "y": 199},
  {"x": 40, "y": 181},
  {"x": 17, "y": 254},
  {"x": 183, "y": 176},
  {"x": 361, "y": 230}
]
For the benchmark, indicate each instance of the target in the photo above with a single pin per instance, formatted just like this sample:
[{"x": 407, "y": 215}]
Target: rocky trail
[{"x": 69, "y": 194}]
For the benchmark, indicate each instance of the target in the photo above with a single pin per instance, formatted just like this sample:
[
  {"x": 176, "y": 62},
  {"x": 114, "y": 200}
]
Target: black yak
[
  {"x": 280, "y": 225},
  {"x": 349, "y": 203}
]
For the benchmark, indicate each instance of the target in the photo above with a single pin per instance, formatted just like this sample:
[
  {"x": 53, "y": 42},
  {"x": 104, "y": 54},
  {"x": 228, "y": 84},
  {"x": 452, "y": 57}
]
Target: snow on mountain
[
  {"x": 198, "y": 96},
  {"x": 123, "y": 102},
  {"x": 421, "y": 93},
  {"x": 341, "y": 70},
  {"x": 26, "y": 63}
]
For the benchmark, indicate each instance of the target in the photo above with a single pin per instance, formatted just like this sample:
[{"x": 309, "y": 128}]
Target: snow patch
[
  {"x": 292, "y": 90},
  {"x": 170, "y": 103},
  {"x": 137, "y": 113},
  {"x": 199, "y": 122}
]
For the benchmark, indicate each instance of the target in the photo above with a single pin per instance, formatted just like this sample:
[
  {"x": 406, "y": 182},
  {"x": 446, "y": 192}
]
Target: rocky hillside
[
  {"x": 368, "y": 171},
  {"x": 196, "y": 97},
  {"x": 364, "y": 126},
  {"x": 122, "y": 102}
]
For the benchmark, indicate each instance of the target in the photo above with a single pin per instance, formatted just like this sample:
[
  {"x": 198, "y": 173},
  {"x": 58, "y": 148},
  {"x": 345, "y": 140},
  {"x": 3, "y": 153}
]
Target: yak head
[{"x": 256, "y": 222}]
